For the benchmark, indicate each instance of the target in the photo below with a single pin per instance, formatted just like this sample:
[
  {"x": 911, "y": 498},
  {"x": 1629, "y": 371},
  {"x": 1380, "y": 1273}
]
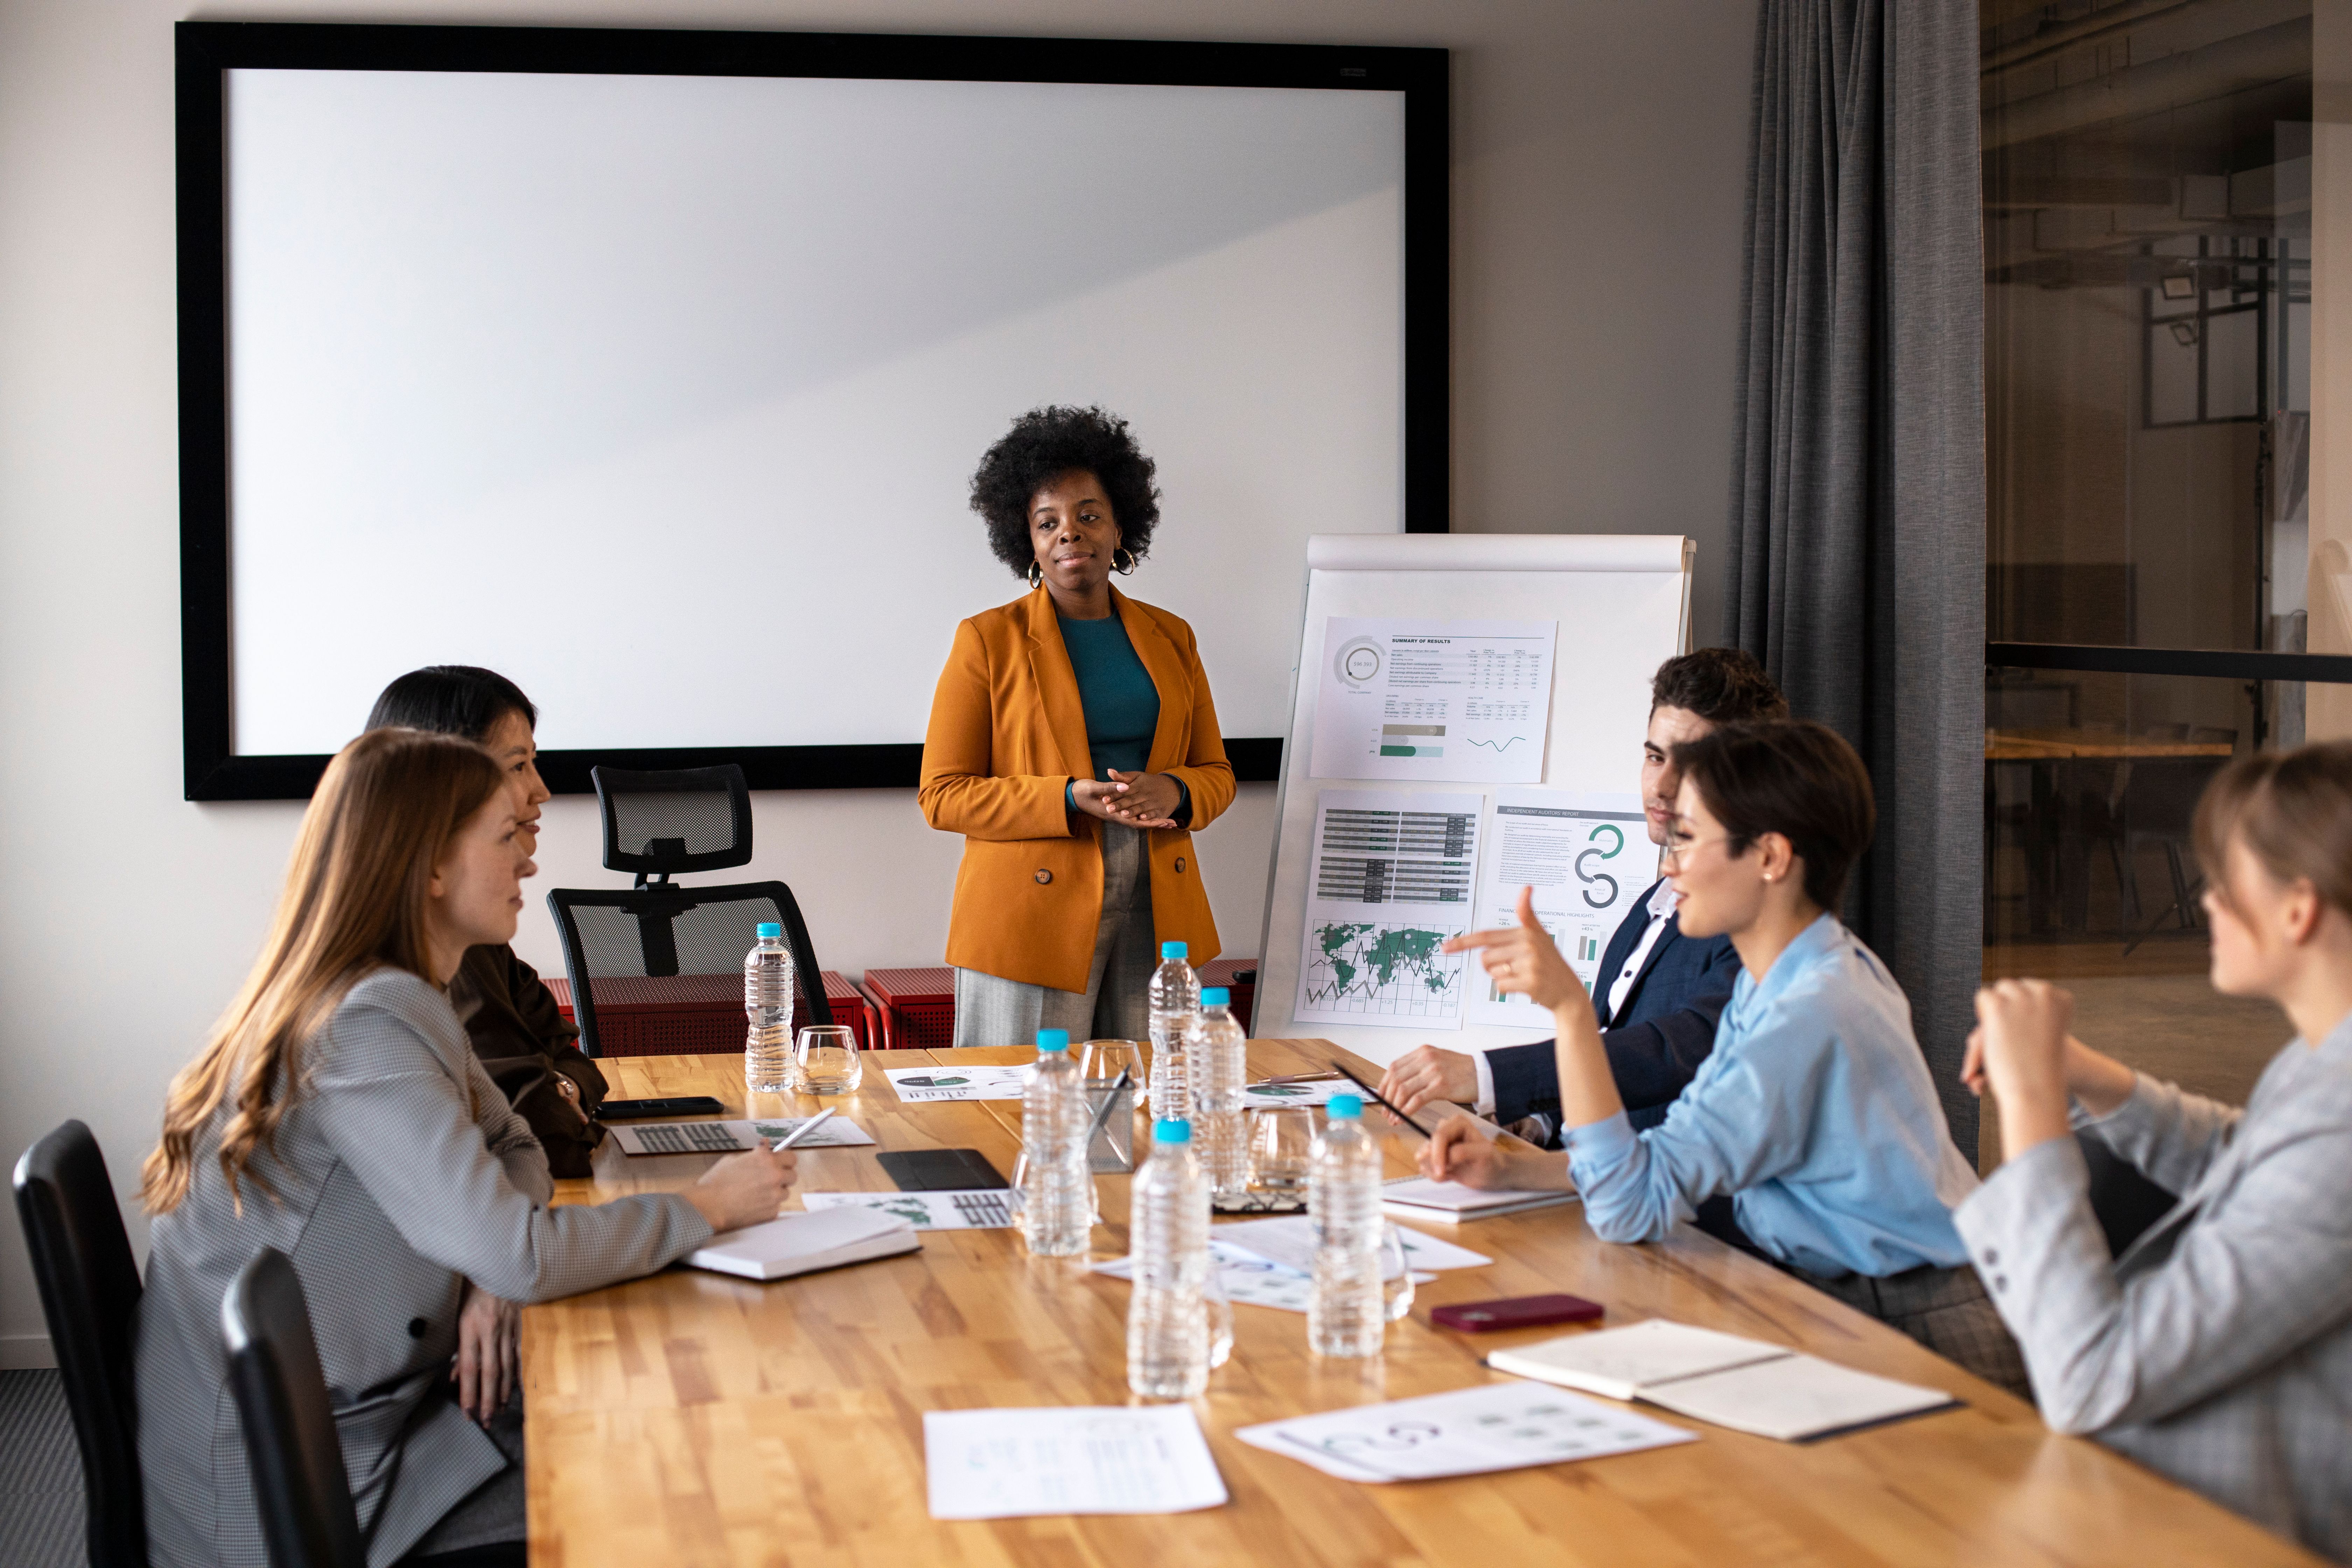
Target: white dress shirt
[{"x": 1662, "y": 903}]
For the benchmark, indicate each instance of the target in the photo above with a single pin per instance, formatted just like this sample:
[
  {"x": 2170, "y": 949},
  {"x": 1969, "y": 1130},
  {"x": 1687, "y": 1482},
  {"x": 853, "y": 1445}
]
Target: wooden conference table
[{"x": 693, "y": 1419}]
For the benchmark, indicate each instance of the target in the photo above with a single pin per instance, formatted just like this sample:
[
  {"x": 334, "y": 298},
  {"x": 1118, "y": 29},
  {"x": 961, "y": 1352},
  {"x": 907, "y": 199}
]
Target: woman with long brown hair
[
  {"x": 2218, "y": 1347},
  {"x": 339, "y": 1115}
]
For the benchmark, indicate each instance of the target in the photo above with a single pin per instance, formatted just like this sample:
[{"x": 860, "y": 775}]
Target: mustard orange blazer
[{"x": 1007, "y": 734}]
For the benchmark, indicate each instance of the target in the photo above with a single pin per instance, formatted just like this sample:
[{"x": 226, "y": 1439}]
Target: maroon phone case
[{"x": 1515, "y": 1312}]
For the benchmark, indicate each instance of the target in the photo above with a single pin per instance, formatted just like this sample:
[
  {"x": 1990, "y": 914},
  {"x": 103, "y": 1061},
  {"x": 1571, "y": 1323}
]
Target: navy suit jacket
[{"x": 1656, "y": 1041}]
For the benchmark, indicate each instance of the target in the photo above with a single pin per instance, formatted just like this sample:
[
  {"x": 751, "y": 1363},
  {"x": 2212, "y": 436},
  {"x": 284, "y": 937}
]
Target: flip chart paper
[
  {"x": 1452, "y": 701},
  {"x": 1393, "y": 878},
  {"x": 1589, "y": 859},
  {"x": 1021, "y": 1463}
]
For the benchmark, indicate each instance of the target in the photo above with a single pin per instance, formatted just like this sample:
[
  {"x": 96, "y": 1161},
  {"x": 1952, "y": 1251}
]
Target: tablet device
[{"x": 941, "y": 1171}]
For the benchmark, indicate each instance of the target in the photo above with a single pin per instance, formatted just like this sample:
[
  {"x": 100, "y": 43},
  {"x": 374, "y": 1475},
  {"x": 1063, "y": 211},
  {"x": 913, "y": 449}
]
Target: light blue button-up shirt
[{"x": 1815, "y": 1110}]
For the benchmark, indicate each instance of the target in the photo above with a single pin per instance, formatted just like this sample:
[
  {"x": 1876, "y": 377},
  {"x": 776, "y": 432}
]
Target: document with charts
[
  {"x": 1589, "y": 859},
  {"x": 1391, "y": 879},
  {"x": 1441, "y": 701}
]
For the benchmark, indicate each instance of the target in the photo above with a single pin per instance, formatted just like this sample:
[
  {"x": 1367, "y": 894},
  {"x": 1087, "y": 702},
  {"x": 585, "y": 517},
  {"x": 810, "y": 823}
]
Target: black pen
[{"x": 1383, "y": 1104}]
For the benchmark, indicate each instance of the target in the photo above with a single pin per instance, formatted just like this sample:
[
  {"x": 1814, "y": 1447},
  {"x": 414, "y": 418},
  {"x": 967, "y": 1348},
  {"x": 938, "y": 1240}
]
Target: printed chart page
[
  {"x": 1589, "y": 859},
  {"x": 1392, "y": 880},
  {"x": 1441, "y": 701},
  {"x": 1011, "y": 1464}
]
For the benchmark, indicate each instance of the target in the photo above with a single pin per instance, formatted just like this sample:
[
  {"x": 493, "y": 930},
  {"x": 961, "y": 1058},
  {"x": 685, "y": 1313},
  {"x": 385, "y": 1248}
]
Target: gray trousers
[
  {"x": 1116, "y": 1004},
  {"x": 1945, "y": 1309}
]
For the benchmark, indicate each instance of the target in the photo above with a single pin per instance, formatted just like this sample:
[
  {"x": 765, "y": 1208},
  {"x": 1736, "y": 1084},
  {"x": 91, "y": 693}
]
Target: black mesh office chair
[
  {"x": 691, "y": 940},
  {"x": 668, "y": 824},
  {"x": 90, "y": 1293},
  {"x": 307, "y": 1517}
]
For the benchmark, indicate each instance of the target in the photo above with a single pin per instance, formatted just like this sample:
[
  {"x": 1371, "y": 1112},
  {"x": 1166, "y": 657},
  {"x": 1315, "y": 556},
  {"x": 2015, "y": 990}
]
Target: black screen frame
[{"x": 204, "y": 50}]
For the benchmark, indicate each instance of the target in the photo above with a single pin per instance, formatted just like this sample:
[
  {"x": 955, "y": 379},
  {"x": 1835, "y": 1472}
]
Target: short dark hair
[
  {"x": 1046, "y": 442},
  {"x": 1721, "y": 685},
  {"x": 451, "y": 699},
  {"x": 1793, "y": 777}
]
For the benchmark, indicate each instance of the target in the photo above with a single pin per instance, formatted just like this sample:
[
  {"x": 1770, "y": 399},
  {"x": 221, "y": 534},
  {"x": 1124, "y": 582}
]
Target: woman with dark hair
[
  {"x": 2218, "y": 1348},
  {"x": 1073, "y": 743},
  {"x": 338, "y": 1115},
  {"x": 530, "y": 1049},
  {"x": 1814, "y": 1111}
]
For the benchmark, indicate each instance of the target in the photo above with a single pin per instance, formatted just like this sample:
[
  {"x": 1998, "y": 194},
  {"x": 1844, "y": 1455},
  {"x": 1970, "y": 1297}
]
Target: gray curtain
[{"x": 1857, "y": 512}]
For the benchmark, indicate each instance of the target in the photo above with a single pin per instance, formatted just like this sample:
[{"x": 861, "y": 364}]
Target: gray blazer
[
  {"x": 2218, "y": 1349},
  {"x": 399, "y": 1173}
]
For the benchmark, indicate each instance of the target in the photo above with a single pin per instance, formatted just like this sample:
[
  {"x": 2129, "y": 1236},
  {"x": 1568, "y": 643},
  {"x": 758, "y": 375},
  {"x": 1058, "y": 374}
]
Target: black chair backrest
[
  {"x": 696, "y": 936},
  {"x": 90, "y": 1293},
  {"x": 675, "y": 821},
  {"x": 299, "y": 1480}
]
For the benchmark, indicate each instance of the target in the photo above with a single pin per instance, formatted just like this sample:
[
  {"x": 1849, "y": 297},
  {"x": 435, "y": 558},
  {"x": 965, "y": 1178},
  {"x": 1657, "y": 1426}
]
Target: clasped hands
[
  {"x": 1139, "y": 800},
  {"x": 2023, "y": 1052}
]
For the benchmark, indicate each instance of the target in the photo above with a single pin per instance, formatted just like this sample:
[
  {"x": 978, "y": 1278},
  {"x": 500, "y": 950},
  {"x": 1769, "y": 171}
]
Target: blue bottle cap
[
  {"x": 769, "y": 930},
  {"x": 1216, "y": 996},
  {"x": 1172, "y": 1130},
  {"x": 1053, "y": 1040},
  {"x": 1174, "y": 950},
  {"x": 1344, "y": 1108}
]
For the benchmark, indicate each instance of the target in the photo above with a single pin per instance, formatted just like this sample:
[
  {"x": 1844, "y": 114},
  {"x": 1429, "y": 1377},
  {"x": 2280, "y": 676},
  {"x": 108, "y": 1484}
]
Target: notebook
[
  {"x": 1418, "y": 1198},
  {"x": 802, "y": 1243},
  {"x": 1745, "y": 1385}
]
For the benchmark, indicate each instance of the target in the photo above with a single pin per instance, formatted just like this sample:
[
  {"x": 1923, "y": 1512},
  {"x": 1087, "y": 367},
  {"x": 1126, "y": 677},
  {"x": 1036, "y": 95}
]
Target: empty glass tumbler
[
  {"x": 827, "y": 1060},
  {"x": 1280, "y": 1139}
]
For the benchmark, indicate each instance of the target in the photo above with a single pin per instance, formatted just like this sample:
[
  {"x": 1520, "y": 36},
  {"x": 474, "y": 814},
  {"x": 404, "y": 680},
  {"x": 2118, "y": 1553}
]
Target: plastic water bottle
[
  {"x": 1216, "y": 1060},
  {"x": 1058, "y": 1191},
  {"x": 1175, "y": 997},
  {"x": 1168, "y": 1315},
  {"x": 767, "y": 1010},
  {"x": 1345, "y": 1313}
]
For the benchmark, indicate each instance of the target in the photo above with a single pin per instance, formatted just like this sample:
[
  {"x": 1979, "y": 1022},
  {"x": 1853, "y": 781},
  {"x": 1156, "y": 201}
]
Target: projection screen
[{"x": 659, "y": 389}]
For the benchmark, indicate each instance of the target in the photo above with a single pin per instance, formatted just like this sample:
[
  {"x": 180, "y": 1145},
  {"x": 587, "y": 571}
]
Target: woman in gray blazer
[
  {"x": 339, "y": 1115},
  {"x": 2218, "y": 1349}
]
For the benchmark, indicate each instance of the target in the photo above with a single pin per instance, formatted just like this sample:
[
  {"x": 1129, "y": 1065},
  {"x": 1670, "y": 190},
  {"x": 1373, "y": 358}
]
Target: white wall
[{"x": 1599, "y": 149}]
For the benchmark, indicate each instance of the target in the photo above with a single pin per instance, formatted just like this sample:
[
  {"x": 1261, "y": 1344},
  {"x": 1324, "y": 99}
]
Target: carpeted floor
[{"x": 40, "y": 1475}]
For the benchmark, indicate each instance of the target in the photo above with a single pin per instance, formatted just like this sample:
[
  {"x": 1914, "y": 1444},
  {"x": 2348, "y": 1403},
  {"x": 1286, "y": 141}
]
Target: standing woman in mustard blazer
[{"x": 1074, "y": 744}]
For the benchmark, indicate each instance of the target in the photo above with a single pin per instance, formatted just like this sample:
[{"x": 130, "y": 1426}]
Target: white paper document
[
  {"x": 1418, "y": 1198},
  {"x": 917, "y": 1084},
  {"x": 732, "y": 1137},
  {"x": 1457, "y": 702},
  {"x": 1289, "y": 1239},
  {"x": 1589, "y": 859},
  {"x": 1268, "y": 1096},
  {"x": 977, "y": 1210},
  {"x": 1247, "y": 1279},
  {"x": 1391, "y": 879},
  {"x": 802, "y": 1243},
  {"x": 1018, "y": 1464},
  {"x": 1467, "y": 1431}
]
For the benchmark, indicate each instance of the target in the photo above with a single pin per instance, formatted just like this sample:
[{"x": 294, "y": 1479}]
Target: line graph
[{"x": 1497, "y": 746}]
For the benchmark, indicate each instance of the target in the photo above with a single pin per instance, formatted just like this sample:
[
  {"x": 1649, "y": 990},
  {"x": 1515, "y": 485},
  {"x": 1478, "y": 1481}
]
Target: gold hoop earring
[
  {"x": 1037, "y": 575},
  {"x": 1128, "y": 570}
]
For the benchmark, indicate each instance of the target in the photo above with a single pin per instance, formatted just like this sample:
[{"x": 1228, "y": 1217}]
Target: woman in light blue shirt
[{"x": 1815, "y": 1110}]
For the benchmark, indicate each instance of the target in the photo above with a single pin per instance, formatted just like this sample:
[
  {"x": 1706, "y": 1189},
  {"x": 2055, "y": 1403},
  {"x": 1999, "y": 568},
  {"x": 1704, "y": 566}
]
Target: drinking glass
[
  {"x": 1396, "y": 1273},
  {"x": 1280, "y": 1138},
  {"x": 828, "y": 1061},
  {"x": 1113, "y": 1148}
]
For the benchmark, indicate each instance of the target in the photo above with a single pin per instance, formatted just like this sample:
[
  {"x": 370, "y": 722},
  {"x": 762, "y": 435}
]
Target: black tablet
[{"x": 941, "y": 1171}]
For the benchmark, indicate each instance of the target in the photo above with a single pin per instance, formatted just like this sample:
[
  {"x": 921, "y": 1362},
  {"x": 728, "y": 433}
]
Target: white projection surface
[{"x": 662, "y": 395}]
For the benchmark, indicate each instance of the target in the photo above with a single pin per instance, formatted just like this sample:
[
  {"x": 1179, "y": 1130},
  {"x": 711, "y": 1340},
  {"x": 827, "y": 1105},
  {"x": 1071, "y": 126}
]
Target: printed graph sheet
[
  {"x": 1467, "y": 1432},
  {"x": 1450, "y": 701},
  {"x": 1589, "y": 859},
  {"x": 1393, "y": 877}
]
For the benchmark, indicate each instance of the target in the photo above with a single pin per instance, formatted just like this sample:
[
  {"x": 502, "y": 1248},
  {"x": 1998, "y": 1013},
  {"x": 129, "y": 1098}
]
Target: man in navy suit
[{"x": 1658, "y": 992}]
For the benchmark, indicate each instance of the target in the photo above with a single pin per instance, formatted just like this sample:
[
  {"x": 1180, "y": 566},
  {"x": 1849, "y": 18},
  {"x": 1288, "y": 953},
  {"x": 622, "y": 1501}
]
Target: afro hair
[{"x": 1046, "y": 442}]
